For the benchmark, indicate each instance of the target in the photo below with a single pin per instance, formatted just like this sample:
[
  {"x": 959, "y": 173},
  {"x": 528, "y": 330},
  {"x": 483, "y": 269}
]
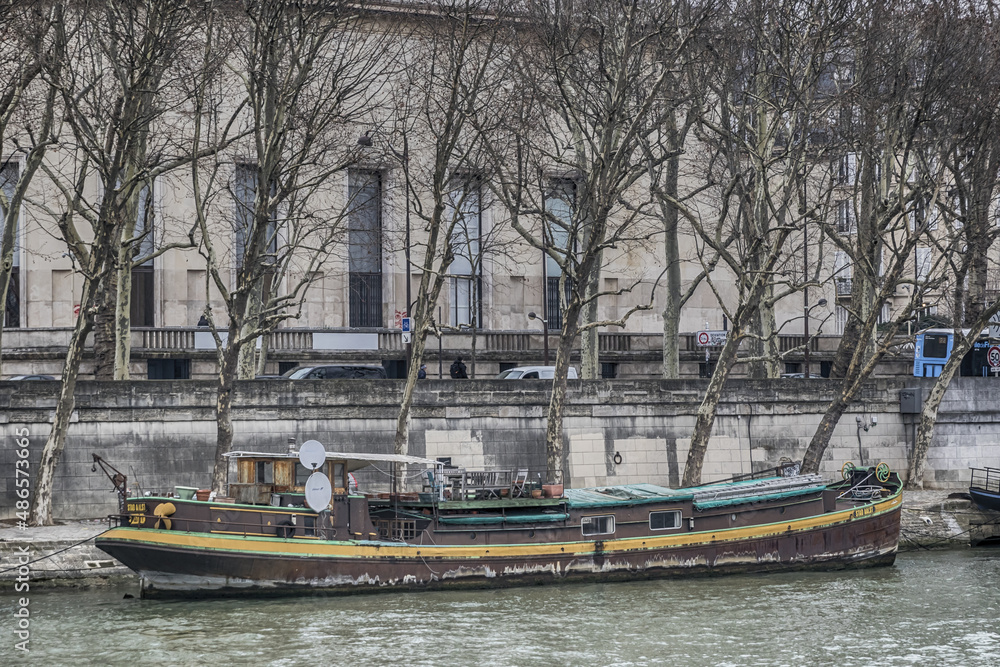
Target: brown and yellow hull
[{"x": 174, "y": 563}]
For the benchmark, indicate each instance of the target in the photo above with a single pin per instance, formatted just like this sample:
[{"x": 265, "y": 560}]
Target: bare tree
[
  {"x": 448, "y": 79},
  {"x": 307, "y": 75},
  {"x": 905, "y": 63},
  {"x": 965, "y": 229},
  {"x": 592, "y": 91},
  {"x": 760, "y": 151},
  {"x": 27, "y": 105},
  {"x": 106, "y": 122}
]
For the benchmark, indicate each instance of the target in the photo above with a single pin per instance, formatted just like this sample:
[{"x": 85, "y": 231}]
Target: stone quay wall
[{"x": 162, "y": 433}]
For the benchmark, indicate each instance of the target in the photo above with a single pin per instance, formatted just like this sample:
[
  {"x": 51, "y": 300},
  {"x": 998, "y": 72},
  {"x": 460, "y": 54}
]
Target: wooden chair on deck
[{"x": 518, "y": 488}]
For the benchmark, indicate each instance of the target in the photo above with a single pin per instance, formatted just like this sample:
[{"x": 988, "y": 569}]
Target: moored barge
[{"x": 490, "y": 529}]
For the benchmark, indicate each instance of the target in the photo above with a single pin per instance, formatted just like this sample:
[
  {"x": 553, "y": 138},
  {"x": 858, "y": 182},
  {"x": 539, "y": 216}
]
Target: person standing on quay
[{"x": 458, "y": 370}]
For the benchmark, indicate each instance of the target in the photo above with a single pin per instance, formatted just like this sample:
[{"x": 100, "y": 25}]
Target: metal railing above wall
[{"x": 182, "y": 339}]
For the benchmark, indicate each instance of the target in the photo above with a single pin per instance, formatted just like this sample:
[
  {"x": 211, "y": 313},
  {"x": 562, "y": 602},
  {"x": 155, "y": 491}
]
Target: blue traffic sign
[{"x": 407, "y": 324}]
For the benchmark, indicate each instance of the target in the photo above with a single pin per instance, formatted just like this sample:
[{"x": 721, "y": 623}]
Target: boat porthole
[
  {"x": 781, "y": 511},
  {"x": 531, "y": 533},
  {"x": 472, "y": 536},
  {"x": 734, "y": 517}
]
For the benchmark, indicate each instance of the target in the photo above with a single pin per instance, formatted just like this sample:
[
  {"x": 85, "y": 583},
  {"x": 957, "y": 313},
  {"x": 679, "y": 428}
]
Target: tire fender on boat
[{"x": 285, "y": 529}]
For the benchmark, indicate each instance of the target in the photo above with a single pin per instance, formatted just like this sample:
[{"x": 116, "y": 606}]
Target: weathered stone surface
[{"x": 162, "y": 433}]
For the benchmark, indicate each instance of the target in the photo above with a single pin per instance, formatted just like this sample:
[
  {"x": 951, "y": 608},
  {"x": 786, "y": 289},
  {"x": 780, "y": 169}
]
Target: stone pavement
[
  {"x": 68, "y": 563},
  {"x": 931, "y": 519}
]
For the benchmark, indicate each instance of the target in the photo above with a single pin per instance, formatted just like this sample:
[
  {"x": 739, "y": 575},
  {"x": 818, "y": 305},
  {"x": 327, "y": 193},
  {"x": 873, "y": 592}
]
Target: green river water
[{"x": 931, "y": 608}]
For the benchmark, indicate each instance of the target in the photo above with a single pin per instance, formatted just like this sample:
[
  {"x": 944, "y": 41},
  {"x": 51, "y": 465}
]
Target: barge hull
[{"x": 175, "y": 564}]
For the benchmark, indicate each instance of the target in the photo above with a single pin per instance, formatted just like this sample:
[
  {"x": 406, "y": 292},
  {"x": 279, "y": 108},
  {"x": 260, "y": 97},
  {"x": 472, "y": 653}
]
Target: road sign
[
  {"x": 711, "y": 338},
  {"x": 993, "y": 356},
  {"x": 407, "y": 338},
  {"x": 995, "y": 326},
  {"x": 406, "y": 324}
]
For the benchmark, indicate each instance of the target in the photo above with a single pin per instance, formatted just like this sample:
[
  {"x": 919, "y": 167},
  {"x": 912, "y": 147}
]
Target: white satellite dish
[
  {"x": 312, "y": 454},
  {"x": 318, "y": 491}
]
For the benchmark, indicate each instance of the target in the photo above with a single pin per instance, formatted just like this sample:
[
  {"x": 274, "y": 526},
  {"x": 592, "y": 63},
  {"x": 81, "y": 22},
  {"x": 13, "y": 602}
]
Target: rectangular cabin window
[
  {"x": 338, "y": 478},
  {"x": 302, "y": 473},
  {"x": 664, "y": 520},
  {"x": 598, "y": 525},
  {"x": 265, "y": 472}
]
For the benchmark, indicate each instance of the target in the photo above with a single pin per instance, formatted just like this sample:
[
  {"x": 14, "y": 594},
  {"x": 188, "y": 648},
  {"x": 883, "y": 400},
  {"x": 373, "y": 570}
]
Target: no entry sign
[{"x": 711, "y": 338}]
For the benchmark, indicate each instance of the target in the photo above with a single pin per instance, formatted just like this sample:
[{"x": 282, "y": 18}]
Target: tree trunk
[
  {"x": 228, "y": 362},
  {"x": 557, "y": 400},
  {"x": 928, "y": 414},
  {"x": 821, "y": 438},
  {"x": 265, "y": 344},
  {"x": 104, "y": 328},
  {"x": 123, "y": 314},
  {"x": 671, "y": 246},
  {"x": 248, "y": 350},
  {"x": 769, "y": 334},
  {"x": 41, "y": 502},
  {"x": 706, "y": 411},
  {"x": 6, "y": 268},
  {"x": 590, "y": 339}
]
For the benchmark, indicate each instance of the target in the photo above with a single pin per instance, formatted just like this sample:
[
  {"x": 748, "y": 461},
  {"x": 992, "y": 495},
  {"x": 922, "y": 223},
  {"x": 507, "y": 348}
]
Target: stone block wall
[{"x": 162, "y": 433}]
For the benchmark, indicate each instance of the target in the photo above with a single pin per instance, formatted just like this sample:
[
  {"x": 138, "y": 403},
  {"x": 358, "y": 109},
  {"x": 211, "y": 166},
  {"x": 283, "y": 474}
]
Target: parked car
[
  {"x": 33, "y": 377},
  {"x": 534, "y": 373},
  {"x": 337, "y": 372}
]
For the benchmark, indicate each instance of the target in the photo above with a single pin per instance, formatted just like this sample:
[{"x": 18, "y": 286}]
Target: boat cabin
[{"x": 261, "y": 477}]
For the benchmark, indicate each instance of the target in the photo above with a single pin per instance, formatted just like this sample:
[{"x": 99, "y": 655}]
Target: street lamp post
[
  {"x": 545, "y": 337},
  {"x": 805, "y": 329}
]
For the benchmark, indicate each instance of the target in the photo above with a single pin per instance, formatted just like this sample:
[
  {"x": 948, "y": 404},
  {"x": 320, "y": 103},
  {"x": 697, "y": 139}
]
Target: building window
[
  {"x": 664, "y": 520},
  {"x": 842, "y": 273},
  {"x": 168, "y": 369},
  {"x": 244, "y": 200},
  {"x": 9, "y": 173},
  {"x": 847, "y": 169},
  {"x": 598, "y": 525},
  {"x": 706, "y": 369},
  {"x": 364, "y": 225},
  {"x": 142, "y": 299},
  {"x": 923, "y": 263},
  {"x": 845, "y": 217},
  {"x": 557, "y": 230},
  {"x": 609, "y": 371},
  {"x": 840, "y": 315},
  {"x": 464, "y": 207}
]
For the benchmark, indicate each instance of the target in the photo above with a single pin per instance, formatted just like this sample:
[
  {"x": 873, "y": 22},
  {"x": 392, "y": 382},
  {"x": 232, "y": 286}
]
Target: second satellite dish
[
  {"x": 312, "y": 454},
  {"x": 318, "y": 492}
]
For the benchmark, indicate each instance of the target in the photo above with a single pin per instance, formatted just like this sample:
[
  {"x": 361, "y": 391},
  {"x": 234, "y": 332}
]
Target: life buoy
[{"x": 162, "y": 512}]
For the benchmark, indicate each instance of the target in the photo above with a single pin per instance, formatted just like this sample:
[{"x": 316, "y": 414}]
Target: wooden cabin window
[
  {"x": 265, "y": 472},
  {"x": 302, "y": 473},
  {"x": 664, "y": 520},
  {"x": 598, "y": 525}
]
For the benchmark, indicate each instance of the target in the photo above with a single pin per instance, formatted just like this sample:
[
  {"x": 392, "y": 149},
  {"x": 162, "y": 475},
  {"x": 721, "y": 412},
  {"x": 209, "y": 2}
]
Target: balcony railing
[{"x": 381, "y": 341}]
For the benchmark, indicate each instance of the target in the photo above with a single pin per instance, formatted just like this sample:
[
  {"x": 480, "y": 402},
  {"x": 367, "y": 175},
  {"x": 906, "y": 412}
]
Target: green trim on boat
[{"x": 513, "y": 518}]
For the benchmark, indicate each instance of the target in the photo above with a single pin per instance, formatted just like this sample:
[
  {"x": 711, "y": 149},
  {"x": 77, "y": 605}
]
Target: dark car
[{"x": 338, "y": 372}]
